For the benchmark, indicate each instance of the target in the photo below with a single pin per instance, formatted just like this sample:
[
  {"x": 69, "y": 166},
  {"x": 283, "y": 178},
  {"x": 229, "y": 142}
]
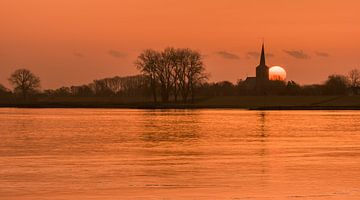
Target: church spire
[{"x": 262, "y": 59}]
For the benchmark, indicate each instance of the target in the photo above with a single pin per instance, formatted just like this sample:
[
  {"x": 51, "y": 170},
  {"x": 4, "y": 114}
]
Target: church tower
[{"x": 262, "y": 73}]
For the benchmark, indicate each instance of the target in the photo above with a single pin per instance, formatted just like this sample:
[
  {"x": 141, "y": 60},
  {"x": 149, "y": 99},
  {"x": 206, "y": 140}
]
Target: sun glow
[{"x": 277, "y": 73}]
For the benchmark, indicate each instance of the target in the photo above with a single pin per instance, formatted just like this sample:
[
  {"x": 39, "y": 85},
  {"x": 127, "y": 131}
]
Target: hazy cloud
[
  {"x": 298, "y": 54},
  {"x": 116, "y": 54},
  {"x": 256, "y": 55},
  {"x": 227, "y": 55},
  {"x": 205, "y": 55},
  {"x": 322, "y": 54},
  {"x": 79, "y": 55}
]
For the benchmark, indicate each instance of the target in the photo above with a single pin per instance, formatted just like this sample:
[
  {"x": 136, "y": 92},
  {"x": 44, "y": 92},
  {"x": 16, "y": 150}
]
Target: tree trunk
[
  {"x": 164, "y": 95},
  {"x": 192, "y": 94},
  {"x": 175, "y": 93},
  {"x": 153, "y": 86},
  {"x": 24, "y": 93},
  {"x": 184, "y": 96}
]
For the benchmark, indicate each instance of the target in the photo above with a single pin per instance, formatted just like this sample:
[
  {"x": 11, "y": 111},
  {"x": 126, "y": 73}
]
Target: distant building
[{"x": 259, "y": 83}]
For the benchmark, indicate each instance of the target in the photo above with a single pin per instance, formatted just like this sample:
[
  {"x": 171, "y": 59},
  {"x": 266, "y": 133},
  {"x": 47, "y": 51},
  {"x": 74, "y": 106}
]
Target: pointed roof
[{"x": 262, "y": 59}]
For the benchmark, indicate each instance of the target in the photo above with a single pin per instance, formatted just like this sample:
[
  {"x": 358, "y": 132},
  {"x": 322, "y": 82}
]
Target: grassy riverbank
[{"x": 240, "y": 102}]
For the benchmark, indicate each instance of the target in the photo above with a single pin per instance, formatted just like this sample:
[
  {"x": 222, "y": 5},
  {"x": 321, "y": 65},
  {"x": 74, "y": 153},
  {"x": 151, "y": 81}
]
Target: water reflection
[
  {"x": 262, "y": 120},
  {"x": 178, "y": 154},
  {"x": 263, "y": 149},
  {"x": 170, "y": 126}
]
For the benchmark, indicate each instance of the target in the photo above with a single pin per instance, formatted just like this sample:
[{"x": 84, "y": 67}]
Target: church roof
[
  {"x": 250, "y": 78},
  {"x": 250, "y": 83},
  {"x": 262, "y": 59}
]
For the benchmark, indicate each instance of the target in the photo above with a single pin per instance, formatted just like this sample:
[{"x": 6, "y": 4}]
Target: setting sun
[{"x": 277, "y": 73}]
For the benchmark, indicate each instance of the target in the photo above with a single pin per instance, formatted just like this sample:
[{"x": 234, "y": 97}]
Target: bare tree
[
  {"x": 176, "y": 58},
  {"x": 166, "y": 72},
  {"x": 102, "y": 88},
  {"x": 192, "y": 72},
  {"x": 176, "y": 71},
  {"x": 197, "y": 72},
  {"x": 354, "y": 78},
  {"x": 148, "y": 63},
  {"x": 24, "y": 82}
]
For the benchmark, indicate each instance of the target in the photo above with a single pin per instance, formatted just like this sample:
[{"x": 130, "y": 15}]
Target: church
[{"x": 259, "y": 83}]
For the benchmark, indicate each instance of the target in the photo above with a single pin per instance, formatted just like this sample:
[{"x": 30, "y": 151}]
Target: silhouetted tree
[
  {"x": 205, "y": 89},
  {"x": 102, "y": 88},
  {"x": 137, "y": 85},
  {"x": 225, "y": 88},
  {"x": 276, "y": 87},
  {"x": 3, "y": 88},
  {"x": 165, "y": 73},
  {"x": 82, "y": 91},
  {"x": 24, "y": 82},
  {"x": 191, "y": 72},
  {"x": 148, "y": 62},
  {"x": 314, "y": 89},
  {"x": 292, "y": 88},
  {"x": 107, "y": 86},
  {"x": 197, "y": 73},
  {"x": 354, "y": 77},
  {"x": 4, "y": 92},
  {"x": 354, "y": 80},
  {"x": 60, "y": 92},
  {"x": 336, "y": 85},
  {"x": 177, "y": 57},
  {"x": 176, "y": 71}
]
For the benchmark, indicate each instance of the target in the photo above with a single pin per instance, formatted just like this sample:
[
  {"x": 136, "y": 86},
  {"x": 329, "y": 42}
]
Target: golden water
[{"x": 179, "y": 154}]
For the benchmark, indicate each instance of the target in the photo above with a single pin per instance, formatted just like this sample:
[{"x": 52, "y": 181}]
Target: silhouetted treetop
[
  {"x": 336, "y": 85},
  {"x": 173, "y": 72},
  {"x": 24, "y": 82}
]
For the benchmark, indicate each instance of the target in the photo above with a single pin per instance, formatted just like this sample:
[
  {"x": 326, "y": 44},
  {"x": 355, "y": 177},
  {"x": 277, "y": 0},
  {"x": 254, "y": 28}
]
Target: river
[{"x": 210, "y": 154}]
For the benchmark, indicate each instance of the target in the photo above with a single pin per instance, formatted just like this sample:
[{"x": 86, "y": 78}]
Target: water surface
[{"x": 179, "y": 154}]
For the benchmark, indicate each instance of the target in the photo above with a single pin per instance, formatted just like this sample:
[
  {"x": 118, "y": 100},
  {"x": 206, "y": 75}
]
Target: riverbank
[{"x": 235, "y": 102}]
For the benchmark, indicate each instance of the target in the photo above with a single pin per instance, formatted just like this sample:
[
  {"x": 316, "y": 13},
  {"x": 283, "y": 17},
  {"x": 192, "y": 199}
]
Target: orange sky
[{"x": 69, "y": 42}]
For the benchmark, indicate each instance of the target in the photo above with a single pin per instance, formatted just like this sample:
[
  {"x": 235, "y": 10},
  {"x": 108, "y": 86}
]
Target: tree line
[
  {"x": 173, "y": 74},
  {"x": 108, "y": 87},
  {"x": 335, "y": 84},
  {"x": 26, "y": 85}
]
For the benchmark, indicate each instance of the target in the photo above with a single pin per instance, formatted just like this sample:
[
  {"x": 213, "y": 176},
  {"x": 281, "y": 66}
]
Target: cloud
[
  {"x": 228, "y": 55},
  {"x": 256, "y": 55},
  {"x": 79, "y": 55},
  {"x": 205, "y": 55},
  {"x": 298, "y": 54},
  {"x": 116, "y": 54},
  {"x": 322, "y": 54}
]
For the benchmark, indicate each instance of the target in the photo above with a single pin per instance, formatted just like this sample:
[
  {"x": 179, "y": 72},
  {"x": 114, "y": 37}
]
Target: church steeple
[
  {"x": 262, "y": 71},
  {"x": 262, "y": 59}
]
